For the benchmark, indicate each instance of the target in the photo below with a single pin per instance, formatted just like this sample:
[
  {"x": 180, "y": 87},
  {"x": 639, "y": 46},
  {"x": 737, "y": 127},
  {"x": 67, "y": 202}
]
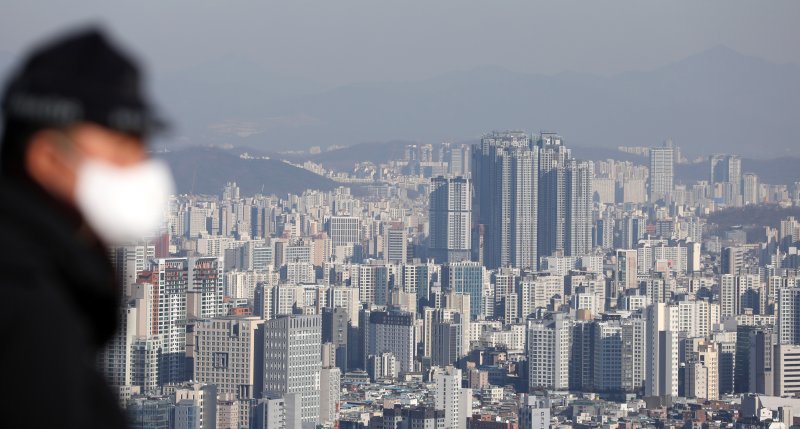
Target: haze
[{"x": 309, "y": 47}]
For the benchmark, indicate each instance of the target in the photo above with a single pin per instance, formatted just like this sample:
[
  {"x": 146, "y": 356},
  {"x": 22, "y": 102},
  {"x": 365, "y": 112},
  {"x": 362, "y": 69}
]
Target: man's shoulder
[
  {"x": 21, "y": 251},
  {"x": 30, "y": 231}
]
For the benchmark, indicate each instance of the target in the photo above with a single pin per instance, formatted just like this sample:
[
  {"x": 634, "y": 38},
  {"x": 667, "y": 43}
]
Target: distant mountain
[
  {"x": 223, "y": 100},
  {"x": 752, "y": 219},
  {"x": 203, "y": 170},
  {"x": 715, "y": 101},
  {"x": 343, "y": 159}
]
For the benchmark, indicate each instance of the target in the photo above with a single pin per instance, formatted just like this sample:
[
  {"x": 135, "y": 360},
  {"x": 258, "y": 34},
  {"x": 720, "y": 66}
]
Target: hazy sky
[{"x": 340, "y": 42}]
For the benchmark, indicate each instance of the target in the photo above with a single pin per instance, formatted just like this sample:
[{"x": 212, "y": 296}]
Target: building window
[{"x": 220, "y": 360}]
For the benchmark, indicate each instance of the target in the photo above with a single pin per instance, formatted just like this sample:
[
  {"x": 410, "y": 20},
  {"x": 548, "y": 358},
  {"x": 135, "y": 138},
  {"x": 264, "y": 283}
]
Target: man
[{"x": 74, "y": 177}]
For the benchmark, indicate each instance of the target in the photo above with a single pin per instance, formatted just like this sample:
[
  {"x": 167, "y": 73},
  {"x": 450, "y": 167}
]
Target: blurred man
[{"x": 74, "y": 177}]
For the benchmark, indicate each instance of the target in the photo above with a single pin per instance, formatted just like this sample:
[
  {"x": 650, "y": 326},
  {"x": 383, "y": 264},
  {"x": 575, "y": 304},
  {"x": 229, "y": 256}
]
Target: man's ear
[{"x": 46, "y": 164}]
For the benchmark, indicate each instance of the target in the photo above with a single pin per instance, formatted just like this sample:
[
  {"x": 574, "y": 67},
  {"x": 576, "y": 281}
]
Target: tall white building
[
  {"x": 395, "y": 243},
  {"x": 372, "y": 282},
  {"x": 726, "y": 172},
  {"x": 131, "y": 260},
  {"x": 750, "y": 189},
  {"x": 633, "y": 356},
  {"x": 171, "y": 284},
  {"x": 788, "y": 304},
  {"x": 116, "y": 360},
  {"x": 702, "y": 371},
  {"x": 697, "y": 318},
  {"x": 292, "y": 361},
  {"x": 347, "y": 298},
  {"x": 662, "y": 350},
  {"x": 539, "y": 292},
  {"x": 730, "y": 295},
  {"x": 242, "y": 284},
  {"x": 393, "y": 332},
  {"x": 455, "y": 400},
  {"x": 662, "y": 173},
  {"x": 329, "y": 395},
  {"x": 549, "y": 348},
  {"x": 205, "y": 288}
]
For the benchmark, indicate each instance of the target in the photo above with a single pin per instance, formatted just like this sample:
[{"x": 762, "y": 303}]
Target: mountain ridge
[
  {"x": 205, "y": 170},
  {"x": 716, "y": 100}
]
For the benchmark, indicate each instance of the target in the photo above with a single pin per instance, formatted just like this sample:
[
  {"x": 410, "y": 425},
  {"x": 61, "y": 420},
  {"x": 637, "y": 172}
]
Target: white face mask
[{"x": 123, "y": 204}]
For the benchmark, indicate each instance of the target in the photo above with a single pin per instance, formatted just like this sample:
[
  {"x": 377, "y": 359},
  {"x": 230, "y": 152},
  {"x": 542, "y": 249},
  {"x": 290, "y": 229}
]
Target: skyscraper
[
  {"x": 292, "y": 362},
  {"x": 531, "y": 200},
  {"x": 726, "y": 170},
  {"x": 450, "y": 209},
  {"x": 702, "y": 373},
  {"x": 633, "y": 354},
  {"x": 117, "y": 360},
  {"x": 170, "y": 279},
  {"x": 447, "y": 334},
  {"x": 730, "y": 296},
  {"x": 330, "y": 391},
  {"x": 549, "y": 350},
  {"x": 395, "y": 243},
  {"x": 505, "y": 178},
  {"x": 205, "y": 288},
  {"x": 391, "y": 331},
  {"x": 732, "y": 260},
  {"x": 131, "y": 260},
  {"x": 578, "y": 186},
  {"x": 455, "y": 400},
  {"x": 789, "y": 315},
  {"x": 662, "y": 350},
  {"x": 466, "y": 278},
  {"x": 606, "y": 352},
  {"x": 552, "y": 195},
  {"x": 662, "y": 173},
  {"x": 373, "y": 284},
  {"x": 750, "y": 189},
  {"x": 625, "y": 272},
  {"x": 457, "y": 159},
  {"x": 229, "y": 355}
]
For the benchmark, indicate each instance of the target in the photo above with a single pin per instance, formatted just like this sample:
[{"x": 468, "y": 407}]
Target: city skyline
[
  {"x": 654, "y": 305},
  {"x": 360, "y": 215}
]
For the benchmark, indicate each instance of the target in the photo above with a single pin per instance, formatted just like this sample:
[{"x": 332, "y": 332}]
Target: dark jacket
[{"x": 59, "y": 306}]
